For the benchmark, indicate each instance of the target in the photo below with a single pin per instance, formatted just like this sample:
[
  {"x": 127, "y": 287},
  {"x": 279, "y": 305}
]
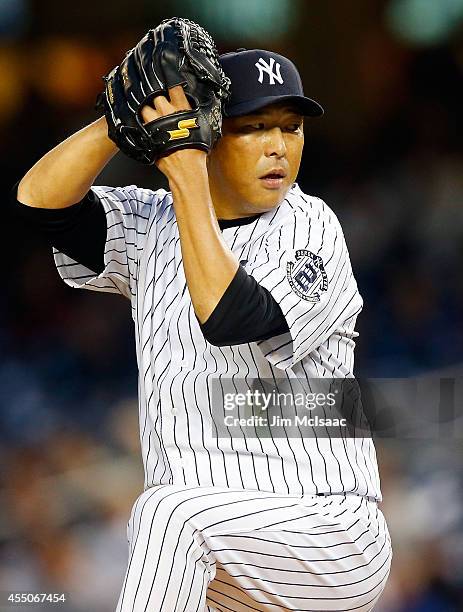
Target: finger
[
  {"x": 148, "y": 114},
  {"x": 178, "y": 98},
  {"x": 162, "y": 105}
]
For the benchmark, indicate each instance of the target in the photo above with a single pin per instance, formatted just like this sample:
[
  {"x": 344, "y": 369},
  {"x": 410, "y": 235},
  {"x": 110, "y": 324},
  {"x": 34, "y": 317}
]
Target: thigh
[
  {"x": 336, "y": 557},
  {"x": 266, "y": 551}
]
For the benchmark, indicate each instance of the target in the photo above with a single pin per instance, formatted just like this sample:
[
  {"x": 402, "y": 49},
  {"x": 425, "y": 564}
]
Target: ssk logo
[
  {"x": 267, "y": 68},
  {"x": 183, "y": 130},
  {"x": 307, "y": 276}
]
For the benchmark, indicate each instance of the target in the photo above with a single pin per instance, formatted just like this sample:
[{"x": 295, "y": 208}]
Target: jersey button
[{"x": 174, "y": 409}]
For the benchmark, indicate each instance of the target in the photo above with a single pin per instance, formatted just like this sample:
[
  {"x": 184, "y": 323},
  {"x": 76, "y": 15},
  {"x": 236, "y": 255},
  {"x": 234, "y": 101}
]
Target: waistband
[{"x": 347, "y": 495}]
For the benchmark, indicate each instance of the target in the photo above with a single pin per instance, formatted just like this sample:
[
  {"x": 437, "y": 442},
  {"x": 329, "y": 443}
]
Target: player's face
[{"x": 256, "y": 161}]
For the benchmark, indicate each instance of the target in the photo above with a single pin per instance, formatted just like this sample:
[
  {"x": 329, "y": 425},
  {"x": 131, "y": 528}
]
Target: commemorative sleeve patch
[{"x": 306, "y": 275}]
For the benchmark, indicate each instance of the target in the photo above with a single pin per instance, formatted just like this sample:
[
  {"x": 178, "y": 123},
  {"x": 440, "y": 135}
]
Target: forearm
[
  {"x": 208, "y": 262},
  {"x": 65, "y": 174}
]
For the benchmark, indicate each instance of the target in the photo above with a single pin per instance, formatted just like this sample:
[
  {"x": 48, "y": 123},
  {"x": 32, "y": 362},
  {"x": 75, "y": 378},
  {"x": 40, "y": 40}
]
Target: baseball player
[{"x": 233, "y": 275}]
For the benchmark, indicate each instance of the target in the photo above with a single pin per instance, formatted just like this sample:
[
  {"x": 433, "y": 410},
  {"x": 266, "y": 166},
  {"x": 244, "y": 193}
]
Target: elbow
[{"x": 23, "y": 191}]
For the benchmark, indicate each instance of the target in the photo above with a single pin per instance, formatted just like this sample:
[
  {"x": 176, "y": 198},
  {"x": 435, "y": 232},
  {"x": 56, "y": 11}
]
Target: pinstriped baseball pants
[{"x": 208, "y": 549}]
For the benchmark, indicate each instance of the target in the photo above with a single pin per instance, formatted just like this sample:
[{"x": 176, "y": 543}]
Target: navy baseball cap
[{"x": 259, "y": 78}]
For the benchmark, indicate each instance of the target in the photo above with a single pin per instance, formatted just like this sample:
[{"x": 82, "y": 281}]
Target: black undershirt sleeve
[
  {"x": 247, "y": 312},
  {"x": 78, "y": 230}
]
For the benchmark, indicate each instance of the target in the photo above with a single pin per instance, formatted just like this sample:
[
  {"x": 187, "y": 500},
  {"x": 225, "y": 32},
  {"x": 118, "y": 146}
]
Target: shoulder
[
  {"x": 299, "y": 208},
  {"x": 133, "y": 199}
]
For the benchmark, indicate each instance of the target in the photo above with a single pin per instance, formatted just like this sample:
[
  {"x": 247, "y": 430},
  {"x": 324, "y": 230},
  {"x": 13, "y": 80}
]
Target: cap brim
[{"x": 306, "y": 106}]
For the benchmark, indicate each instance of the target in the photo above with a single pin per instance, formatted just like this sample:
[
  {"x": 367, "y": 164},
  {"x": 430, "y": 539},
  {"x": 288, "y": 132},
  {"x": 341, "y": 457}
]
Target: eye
[
  {"x": 294, "y": 127},
  {"x": 252, "y": 127}
]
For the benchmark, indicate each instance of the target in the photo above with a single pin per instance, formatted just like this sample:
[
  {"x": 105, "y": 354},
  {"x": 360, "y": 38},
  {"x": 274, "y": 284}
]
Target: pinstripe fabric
[
  {"x": 177, "y": 365},
  {"x": 251, "y": 550}
]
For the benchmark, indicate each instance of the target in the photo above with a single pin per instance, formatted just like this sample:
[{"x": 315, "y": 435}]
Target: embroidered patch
[{"x": 307, "y": 275}]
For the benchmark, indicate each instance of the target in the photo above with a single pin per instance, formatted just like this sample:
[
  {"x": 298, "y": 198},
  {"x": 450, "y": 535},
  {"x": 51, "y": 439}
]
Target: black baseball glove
[{"x": 177, "y": 52}]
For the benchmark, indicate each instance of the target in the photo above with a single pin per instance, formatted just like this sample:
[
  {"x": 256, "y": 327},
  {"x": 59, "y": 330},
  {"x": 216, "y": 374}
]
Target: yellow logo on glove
[{"x": 184, "y": 128}]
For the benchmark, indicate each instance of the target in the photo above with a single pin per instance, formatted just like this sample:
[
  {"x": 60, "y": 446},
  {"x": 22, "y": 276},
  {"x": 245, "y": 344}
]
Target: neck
[{"x": 226, "y": 204}]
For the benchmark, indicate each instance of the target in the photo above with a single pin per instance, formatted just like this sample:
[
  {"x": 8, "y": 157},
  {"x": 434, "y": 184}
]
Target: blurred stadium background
[{"x": 386, "y": 156}]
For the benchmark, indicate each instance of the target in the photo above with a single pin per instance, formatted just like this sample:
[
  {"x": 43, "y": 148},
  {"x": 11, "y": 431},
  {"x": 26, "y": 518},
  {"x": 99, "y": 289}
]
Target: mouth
[{"x": 273, "y": 179}]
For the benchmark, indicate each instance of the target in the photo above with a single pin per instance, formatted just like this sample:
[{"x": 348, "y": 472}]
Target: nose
[{"x": 275, "y": 145}]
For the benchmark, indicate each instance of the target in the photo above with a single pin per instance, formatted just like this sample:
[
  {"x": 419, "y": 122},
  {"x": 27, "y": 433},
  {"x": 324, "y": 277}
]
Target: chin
[{"x": 269, "y": 199}]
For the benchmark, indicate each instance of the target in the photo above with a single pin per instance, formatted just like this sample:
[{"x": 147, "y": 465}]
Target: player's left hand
[
  {"x": 176, "y": 52},
  {"x": 162, "y": 106}
]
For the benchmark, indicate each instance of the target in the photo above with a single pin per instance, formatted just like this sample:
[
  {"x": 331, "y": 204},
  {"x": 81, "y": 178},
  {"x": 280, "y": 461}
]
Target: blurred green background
[{"x": 386, "y": 156}]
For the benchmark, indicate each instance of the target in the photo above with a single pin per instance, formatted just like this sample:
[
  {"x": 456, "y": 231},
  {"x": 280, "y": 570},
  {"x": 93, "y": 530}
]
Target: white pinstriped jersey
[{"x": 143, "y": 262}]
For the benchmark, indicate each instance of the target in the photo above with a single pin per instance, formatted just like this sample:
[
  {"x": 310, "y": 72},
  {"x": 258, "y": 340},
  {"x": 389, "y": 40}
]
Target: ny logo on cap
[{"x": 263, "y": 66}]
